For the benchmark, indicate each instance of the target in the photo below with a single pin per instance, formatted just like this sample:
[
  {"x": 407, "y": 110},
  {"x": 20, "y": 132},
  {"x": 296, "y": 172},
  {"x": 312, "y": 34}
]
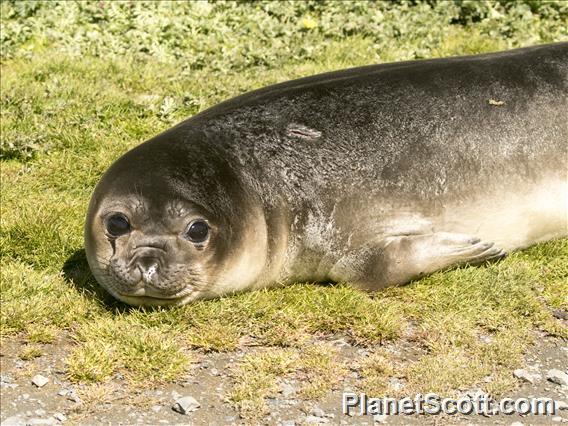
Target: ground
[
  {"x": 84, "y": 82},
  {"x": 213, "y": 377}
]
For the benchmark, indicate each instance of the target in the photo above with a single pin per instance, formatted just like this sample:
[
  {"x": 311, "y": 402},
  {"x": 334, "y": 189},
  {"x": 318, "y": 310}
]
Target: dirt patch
[{"x": 212, "y": 378}]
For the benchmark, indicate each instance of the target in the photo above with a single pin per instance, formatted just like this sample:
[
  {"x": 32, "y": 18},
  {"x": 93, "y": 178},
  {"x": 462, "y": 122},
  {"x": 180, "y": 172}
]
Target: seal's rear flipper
[{"x": 400, "y": 259}]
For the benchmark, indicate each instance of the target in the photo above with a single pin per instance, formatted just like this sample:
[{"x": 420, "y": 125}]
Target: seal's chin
[
  {"x": 156, "y": 301},
  {"x": 145, "y": 296}
]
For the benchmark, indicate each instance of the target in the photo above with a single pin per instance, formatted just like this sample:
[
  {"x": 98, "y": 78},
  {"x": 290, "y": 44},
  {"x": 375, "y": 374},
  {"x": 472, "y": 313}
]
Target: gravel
[
  {"x": 39, "y": 380},
  {"x": 396, "y": 384},
  {"x": 38, "y": 422},
  {"x": 316, "y": 420},
  {"x": 72, "y": 396},
  {"x": 13, "y": 421},
  {"x": 317, "y": 412},
  {"x": 60, "y": 416},
  {"x": 380, "y": 418},
  {"x": 557, "y": 376},
  {"x": 186, "y": 405},
  {"x": 6, "y": 381},
  {"x": 287, "y": 390},
  {"x": 29, "y": 404},
  {"x": 527, "y": 376}
]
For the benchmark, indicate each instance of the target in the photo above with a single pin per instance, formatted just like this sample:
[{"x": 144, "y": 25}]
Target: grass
[
  {"x": 75, "y": 99},
  {"x": 29, "y": 353},
  {"x": 256, "y": 377}
]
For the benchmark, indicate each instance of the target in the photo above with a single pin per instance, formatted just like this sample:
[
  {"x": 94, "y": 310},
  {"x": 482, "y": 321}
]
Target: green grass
[
  {"x": 257, "y": 373},
  {"x": 78, "y": 90}
]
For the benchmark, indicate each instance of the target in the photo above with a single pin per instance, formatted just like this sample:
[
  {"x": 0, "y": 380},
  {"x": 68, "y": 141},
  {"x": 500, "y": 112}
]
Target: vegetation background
[{"x": 83, "y": 82}]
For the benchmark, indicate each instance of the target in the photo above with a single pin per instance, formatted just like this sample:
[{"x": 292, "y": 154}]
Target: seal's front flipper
[{"x": 398, "y": 260}]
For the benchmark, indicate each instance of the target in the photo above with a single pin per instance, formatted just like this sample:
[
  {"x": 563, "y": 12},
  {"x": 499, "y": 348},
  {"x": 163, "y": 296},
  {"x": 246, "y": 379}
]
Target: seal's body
[{"x": 372, "y": 176}]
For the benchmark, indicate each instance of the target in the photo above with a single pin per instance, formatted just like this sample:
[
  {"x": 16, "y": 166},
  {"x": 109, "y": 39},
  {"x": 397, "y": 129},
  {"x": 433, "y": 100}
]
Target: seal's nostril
[{"x": 148, "y": 267}]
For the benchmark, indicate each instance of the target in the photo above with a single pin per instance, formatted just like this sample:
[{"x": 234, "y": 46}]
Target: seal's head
[{"x": 168, "y": 226}]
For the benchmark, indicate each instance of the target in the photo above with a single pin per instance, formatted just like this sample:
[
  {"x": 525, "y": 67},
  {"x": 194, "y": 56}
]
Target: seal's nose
[{"x": 148, "y": 266}]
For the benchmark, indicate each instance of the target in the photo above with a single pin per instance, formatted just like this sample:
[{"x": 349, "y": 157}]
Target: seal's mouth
[
  {"x": 147, "y": 291},
  {"x": 146, "y": 295},
  {"x": 156, "y": 301}
]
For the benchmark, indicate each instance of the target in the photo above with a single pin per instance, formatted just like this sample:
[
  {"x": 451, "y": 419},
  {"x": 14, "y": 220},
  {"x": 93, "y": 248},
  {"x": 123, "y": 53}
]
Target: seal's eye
[
  {"x": 197, "y": 231},
  {"x": 117, "y": 225}
]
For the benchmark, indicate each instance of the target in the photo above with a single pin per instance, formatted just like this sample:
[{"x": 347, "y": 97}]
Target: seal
[{"x": 373, "y": 176}]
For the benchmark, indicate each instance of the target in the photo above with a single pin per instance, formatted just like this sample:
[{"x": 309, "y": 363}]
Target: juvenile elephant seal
[{"x": 372, "y": 176}]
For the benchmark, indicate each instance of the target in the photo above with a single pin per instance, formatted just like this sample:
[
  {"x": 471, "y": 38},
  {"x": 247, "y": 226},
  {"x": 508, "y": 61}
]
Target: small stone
[
  {"x": 560, "y": 314},
  {"x": 156, "y": 408},
  {"x": 60, "y": 416},
  {"x": 340, "y": 342},
  {"x": 557, "y": 376},
  {"x": 38, "y": 422},
  {"x": 316, "y": 419},
  {"x": 186, "y": 405},
  {"x": 214, "y": 372},
  {"x": 230, "y": 419},
  {"x": 474, "y": 393},
  {"x": 527, "y": 376},
  {"x": 318, "y": 412},
  {"x": 13, "y": 421},
  {"x": 40, "y": 412},
  {"x": 557, "y": 419},
  {"x": 39, "y": 380},
  {"x": 287, "y": 390},
  {"x": 561, "y": 405},
  {"x": 8, "y": 385},
  {"x": 288, "y": 423},
  {"x": 396, "y": 383},
  {"x": 63, "y": 392},
  {"x": 517, "y": 424},
  {"x": 72, "y": 396},
  {"x": 380, "y": 418}
]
